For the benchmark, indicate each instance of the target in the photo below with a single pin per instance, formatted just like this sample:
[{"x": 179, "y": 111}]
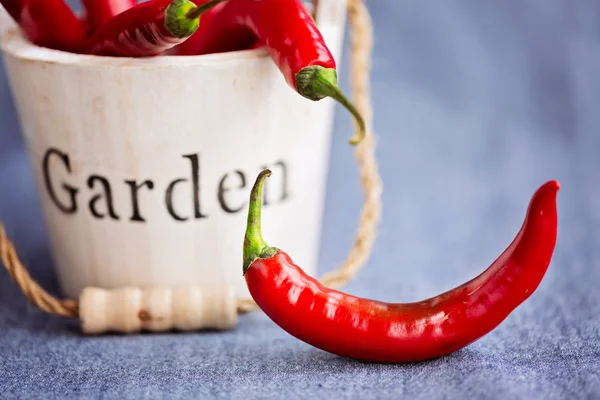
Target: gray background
[{"x": 477, "y": 103}]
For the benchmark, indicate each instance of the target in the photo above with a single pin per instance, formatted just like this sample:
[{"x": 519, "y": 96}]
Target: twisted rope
[
  {"x": 30, "y": 288},
  {"x": 361, "y": 46}
]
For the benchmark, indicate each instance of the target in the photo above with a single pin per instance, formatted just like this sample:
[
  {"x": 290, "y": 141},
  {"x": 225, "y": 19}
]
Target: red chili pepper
[
  {"x": 375, "y": 331},
  {"x": 99, "y": 11},
  {"x": 148, "y": 29},
  {"x": 48, "y": 23},
  {"x": 288, "y": 31}
]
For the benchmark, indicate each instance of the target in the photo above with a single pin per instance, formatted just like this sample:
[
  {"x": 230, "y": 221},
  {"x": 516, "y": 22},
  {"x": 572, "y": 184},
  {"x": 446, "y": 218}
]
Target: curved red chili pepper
[
  {"x": 148, "y": 29},
  {"x": 48, "y": 23},
  {"x": 99, "y": 11},
  {"x": 375, "y": 331},
  {"x": 288, "y": 32}
]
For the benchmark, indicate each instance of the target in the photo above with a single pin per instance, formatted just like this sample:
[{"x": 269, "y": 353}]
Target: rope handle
[{"x": 133, "y": 309}]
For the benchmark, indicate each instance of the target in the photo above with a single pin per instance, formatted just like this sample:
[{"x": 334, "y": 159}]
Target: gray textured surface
[{"x": 477, "y": 103}]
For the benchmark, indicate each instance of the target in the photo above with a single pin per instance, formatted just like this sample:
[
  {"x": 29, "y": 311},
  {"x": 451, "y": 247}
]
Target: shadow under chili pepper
[
  {"x": 327, "y": 359},
  {"x": 318, "y": 360}
]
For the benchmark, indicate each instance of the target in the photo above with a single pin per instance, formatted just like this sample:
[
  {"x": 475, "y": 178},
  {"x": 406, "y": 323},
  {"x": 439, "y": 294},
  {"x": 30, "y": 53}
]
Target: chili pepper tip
[
  {"x": 552, "y": 186},
  {"x": 254, "y": 245},
  {"x": 549, "y": 186},
  {"x": 182, "y": 17},
  {"x": 316, "y": 83}
]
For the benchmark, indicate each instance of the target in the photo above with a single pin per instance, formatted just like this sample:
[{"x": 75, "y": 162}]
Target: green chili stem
[
  {"x": 198, "y": 11},
  {"x": 254, "y": 245},
  {"x": 316, "y": 83}
]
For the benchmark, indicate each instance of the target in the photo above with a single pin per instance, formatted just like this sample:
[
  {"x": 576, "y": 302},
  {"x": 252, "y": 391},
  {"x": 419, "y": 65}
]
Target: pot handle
[{"x": 156, "y": 309}]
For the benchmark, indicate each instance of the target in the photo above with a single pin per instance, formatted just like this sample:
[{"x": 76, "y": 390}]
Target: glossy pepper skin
[
  {"x": 375, "y": 331},
  {"x": 287, "y": 30},
  {"x": 48, "y": 23},
  {"x": 99, "y": 11},
  {"x": 148, "y": 29}
]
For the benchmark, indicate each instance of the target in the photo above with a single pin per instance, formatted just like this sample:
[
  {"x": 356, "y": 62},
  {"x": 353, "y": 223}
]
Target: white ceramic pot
[
  {"x": 144, "y": 166},
  {"x": 6, "y": 21}
]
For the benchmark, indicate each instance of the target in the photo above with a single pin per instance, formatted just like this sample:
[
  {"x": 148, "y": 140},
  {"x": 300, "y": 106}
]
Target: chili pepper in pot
[
  {"x": 99, "y": 11},
  {"x": 288, "y": 31},
  {"x": 149, "y": 28},
  {"x": 375, "y": 331},
  {"x": 48, "y": 23}
]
